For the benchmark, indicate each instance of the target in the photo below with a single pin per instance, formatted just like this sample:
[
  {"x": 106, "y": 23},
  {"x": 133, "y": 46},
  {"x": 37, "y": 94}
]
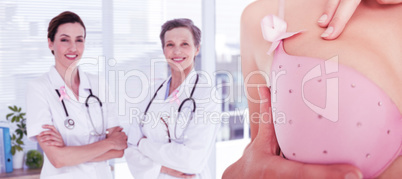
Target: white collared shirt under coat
[
  {"x": 44, "y": 107},
  {"x": 191, "y": 156}
]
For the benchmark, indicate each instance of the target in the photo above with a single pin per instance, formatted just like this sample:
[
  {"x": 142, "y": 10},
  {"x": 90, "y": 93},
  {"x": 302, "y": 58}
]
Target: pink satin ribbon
[
  {"x": 274, "y": 30},
  {"x": 63, "y": 94},
  {"x": 175, "y": 97}
]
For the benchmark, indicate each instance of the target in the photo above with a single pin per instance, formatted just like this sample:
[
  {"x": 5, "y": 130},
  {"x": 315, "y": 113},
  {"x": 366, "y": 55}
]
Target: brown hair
[
  {"x": 183, "y": 22},
  {"x": 63, "y": 18}
]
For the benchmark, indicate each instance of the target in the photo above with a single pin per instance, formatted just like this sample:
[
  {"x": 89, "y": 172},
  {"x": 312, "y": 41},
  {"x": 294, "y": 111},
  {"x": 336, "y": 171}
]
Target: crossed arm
[{"x": 60, "y": 155}]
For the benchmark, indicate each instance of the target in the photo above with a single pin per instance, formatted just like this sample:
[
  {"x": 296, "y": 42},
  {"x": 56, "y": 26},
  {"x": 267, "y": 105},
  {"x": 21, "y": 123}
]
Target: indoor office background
[{"x": 122, "y": 45}]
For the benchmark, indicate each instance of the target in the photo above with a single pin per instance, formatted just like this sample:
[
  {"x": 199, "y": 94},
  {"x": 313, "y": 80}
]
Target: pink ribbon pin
[
  {"x": 63, "y": 94},
  {"x": 175, "y": 97},
  {"x": 274, "y": 30}
]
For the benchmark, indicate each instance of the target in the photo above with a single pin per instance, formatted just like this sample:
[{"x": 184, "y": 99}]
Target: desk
[{"x": 22, "y": 174}]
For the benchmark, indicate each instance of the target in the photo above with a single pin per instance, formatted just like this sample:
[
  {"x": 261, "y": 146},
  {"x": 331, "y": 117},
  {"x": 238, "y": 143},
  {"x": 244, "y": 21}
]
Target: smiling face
[
  {"x": 179, "y": 49},
  {"x": 68, "y": 45}
]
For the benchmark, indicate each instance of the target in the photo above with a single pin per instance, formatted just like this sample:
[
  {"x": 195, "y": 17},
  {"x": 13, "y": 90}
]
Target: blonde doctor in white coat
[
  {"x": 165, "y": 143},
  {"x": 73, "y": 136}
]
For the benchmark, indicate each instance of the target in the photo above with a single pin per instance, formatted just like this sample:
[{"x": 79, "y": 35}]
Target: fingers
[
  {"x": 330, "y": 171},
  {"x": 57, "y": 144},
  {"x": 389, "y": 1},
  {"x": 50, "y": 140},
  {"x": 117, "y": 129},
  {"x": 51, "y": 128},
  {"x": 51, "y": 133},
  {"x": 175, "y": 173},
  {"x": 265, "y": 109},
  {"x": 51, "y": 137},
  {"x": 266, "y": 132},
  {"x": 113, "y": 129},
  {"x": 184, "y": 175},
  {"x": 338, "y": 16},
  {"x": 179, "y": 174},
  {"x": 329, "y": 12},
  {"x": 118, "y": 139},
  {"x": 292, "y": 169}
]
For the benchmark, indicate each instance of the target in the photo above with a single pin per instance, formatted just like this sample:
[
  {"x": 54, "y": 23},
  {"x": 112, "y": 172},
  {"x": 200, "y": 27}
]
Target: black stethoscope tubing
[
  {"x": 69, "y": 123},
  {"x": 190, "y": 98},
  {"x": 181, "y": 105},
  {"x": 62, "y": 102}
]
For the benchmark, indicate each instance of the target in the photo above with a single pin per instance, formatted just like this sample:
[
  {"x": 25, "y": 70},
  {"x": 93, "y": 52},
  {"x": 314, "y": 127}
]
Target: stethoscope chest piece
[{"x": 69, "y": 123}]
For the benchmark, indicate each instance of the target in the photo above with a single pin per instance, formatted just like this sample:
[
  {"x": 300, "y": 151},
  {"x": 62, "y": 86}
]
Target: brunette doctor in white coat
[
  {"x": 65, "y": 113},
  {"x": 175, "y": 137}
]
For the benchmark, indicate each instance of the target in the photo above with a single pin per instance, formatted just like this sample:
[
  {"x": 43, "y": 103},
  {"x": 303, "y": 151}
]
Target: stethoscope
[
  {"x": 179, "y": 139},
  {"x": 69, "y": 123}
]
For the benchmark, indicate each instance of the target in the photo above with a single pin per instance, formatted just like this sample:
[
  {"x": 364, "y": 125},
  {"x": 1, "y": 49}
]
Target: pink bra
[{"x": 328, "y": 113}]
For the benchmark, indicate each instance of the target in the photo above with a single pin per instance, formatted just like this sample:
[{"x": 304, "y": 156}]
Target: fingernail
[
  {"x": 323, "y": 18},
  {"x": 327, "y": 32},
  {"x": 353, "y": 175}
]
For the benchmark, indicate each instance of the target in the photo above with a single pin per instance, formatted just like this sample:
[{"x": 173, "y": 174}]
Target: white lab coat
[
  {"x": 191, "y": 156},
  {"x": 44, "y": 107}
]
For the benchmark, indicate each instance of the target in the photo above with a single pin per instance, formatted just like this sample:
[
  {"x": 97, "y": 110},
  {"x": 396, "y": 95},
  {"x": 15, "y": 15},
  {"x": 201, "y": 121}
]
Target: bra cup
[{"x": 328, "y": 113}]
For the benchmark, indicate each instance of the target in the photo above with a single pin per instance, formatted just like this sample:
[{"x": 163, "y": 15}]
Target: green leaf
[
  {"x": 13, "y": 137},
  {"x": 8, "y": 115},
  {"x": 14, "y": 118},
  {"x": 20, "y": 133},
  {"x": 18, "y": 119},
  {"x": 19, "y": 148},
  {"x": 19, "y": 126},
  {"x": 15, "y": 108},
  {"x": 13, "y": 150},
  {"x": 23, "y": 114},
  {"x": 19, "y": 109},
  {"x": 20, "y": 142},
  {"x": 11, "y": 108}
]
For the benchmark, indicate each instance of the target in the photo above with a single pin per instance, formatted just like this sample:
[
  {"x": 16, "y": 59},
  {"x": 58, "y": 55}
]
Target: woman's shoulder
[
  {"x": 255, "y": 11},
  {"x": 254, "y": 47},
  {"x": 93, "y": 79},
  {"x": 39, "y": 87},
  {"x": 204, "y": 86},
  {"x": 40, "y": 82}
]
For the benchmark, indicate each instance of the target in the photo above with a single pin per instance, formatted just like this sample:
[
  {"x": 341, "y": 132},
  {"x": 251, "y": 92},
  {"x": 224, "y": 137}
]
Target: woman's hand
[
  {"x": 176, "y": 173},
  {"x": 113, "y": 129},
  {"x": 260, "y": 158},
  {"x": 337, "y": 14},
  {"x": 51, "y": 137},
  {"x": 118, "y": 138}
]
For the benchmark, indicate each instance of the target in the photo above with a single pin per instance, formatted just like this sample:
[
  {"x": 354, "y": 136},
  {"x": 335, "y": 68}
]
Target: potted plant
[
  {"x": 34, "y": 159},
  {"x": 17, "y": 143}
]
